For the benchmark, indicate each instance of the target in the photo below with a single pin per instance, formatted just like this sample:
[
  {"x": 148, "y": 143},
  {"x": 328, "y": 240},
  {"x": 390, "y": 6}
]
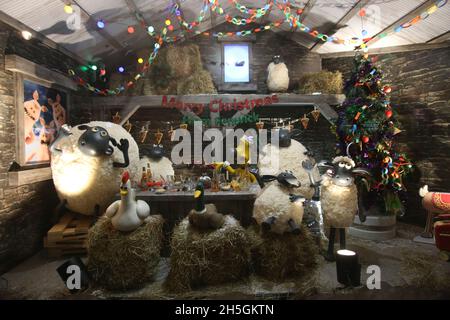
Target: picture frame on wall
[
  {"x": 237, "y": 71},
  {"x": 42, "y": 108}
]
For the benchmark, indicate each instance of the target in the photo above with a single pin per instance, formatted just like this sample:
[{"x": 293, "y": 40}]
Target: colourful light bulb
[
  {"x": 121, "y": 69},
  {"x": 140, "y": 60},
  {"x": 130, "y": 29},
  {"x": 68, "y": 8},
  {"x": 100, "y": 24}
]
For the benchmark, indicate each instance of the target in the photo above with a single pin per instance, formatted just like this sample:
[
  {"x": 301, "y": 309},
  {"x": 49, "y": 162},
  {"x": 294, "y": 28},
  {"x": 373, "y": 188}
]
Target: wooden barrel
[{"x": 374, "y": 228}]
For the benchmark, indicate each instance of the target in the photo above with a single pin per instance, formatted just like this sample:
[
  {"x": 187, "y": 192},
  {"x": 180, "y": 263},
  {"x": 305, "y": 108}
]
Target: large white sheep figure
[
  {"x": 339, "y": 198},
  {"x": 87, "y": 162},
  {"x": 277, "y": 75},
  {"x": 273, "y": 209}
]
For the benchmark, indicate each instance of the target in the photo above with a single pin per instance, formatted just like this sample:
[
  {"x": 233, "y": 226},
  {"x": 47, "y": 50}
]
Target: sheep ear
[
  {"x": 361, "y": 172},
  {"x": 83, "y": 127},
  {"x": 268, "y": 178},
  {"x": 325, "y": 164}
]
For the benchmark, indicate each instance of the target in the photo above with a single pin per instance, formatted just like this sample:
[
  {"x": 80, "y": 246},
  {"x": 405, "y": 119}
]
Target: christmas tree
[{"x": 366, "y": 129}]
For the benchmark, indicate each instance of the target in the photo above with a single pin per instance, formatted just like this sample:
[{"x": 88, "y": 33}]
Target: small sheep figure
[
  {"x": 160, "y": 166},
  {"x": 339, "y": 198},
  {"x": 288, "y": 156},
  {"x": 273, "y": 208},
  {"x": 87, "y": 162},
  {"x": 277, "y": 75}
]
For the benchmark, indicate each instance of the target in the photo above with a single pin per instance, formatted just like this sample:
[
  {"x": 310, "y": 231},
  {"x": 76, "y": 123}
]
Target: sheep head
[{"x": 342, "y": 170}]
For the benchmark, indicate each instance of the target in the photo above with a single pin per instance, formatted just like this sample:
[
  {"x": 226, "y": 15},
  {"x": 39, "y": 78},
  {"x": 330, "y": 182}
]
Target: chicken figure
[{"x": 127, "y": 213}]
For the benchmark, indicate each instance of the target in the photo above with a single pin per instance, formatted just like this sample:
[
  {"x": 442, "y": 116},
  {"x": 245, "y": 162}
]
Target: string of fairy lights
[{"x": 292, "y": 16}]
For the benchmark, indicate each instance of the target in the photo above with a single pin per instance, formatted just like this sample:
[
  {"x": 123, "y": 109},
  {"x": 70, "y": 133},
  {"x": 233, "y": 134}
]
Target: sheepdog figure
[
  {"x": 277, "y": 75},
  {"x": 339, "y": 198}
]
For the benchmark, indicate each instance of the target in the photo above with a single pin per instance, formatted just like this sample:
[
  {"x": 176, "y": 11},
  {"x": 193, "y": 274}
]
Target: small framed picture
[{"x": 41, "y": 111}]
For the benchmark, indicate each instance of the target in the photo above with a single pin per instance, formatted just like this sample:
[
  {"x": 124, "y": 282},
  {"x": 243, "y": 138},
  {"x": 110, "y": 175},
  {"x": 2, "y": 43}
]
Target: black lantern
[{"x": 348, "y": 268}]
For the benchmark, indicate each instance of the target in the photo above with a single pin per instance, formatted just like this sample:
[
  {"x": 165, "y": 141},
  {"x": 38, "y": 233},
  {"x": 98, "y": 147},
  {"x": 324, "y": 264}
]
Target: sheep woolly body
[
  {"x": 160, "y": 167},
  {"x": 291, "y": 159},
  {"x": 86, "y": 181},
  {"x": 273, "y": 201},
  {"x": 339, "y": 204},
  {"x": 278, "y": 77}
]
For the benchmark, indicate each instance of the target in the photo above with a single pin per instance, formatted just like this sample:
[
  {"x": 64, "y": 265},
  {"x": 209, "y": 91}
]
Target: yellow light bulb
[
  {"x": 168, "y": 22},
  {"x": 140, "y": 60}
]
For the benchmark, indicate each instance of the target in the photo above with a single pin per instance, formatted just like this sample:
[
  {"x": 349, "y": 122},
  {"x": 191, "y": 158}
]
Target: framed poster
[{"x": 41, "y": 111}]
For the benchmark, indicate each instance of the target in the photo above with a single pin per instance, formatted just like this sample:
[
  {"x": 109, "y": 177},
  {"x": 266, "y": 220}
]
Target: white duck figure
[{"x": 127, "y": 213}]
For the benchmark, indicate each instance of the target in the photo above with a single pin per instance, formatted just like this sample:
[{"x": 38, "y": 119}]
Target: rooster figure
[{"x": 127, "y": 213}]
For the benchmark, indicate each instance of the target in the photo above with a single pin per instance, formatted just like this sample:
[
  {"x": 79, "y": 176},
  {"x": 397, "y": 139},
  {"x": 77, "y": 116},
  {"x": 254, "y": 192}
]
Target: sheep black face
[
  {"x": 285, "y": 137},
  {"x": 277, "y": 59},
  {"x": 95, "y": 141},
  {"x": 285, "y": 178},
  {"x": 342, "y": 171}
]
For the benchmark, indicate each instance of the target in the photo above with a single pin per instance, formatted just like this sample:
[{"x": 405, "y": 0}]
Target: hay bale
[
  {"x": 207, "y": 257},
  {"x": 124, "y": 260},
  {"x": 323, "y": 81},
  {"x": 277, "y": 257},
  {"x": 200, "y": 82},
  {"x": 184, "y": 60}
]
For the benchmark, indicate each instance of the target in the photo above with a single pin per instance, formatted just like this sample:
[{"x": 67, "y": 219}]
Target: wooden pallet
[{"x": 68, "y": 236}]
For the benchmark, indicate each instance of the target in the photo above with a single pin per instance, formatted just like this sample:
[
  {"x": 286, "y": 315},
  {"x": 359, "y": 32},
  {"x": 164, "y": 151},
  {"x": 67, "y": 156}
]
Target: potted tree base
[{"x": 380, "y": 218}]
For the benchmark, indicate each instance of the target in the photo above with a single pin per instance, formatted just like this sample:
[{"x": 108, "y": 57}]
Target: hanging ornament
[
  {"x": 316, "y": 114},
  {"x": 304, "y": 121},
  {"x": 387, "y": 89},
  {"x": 128, "y": 126},
  {"x": 388, "y": 113},
  {"x": 143, "y": 134},
  {"x": 397, "y": 131},
  {"x": 158, "y": 136},
  {"x": 365, "y": 139},
  {"x": 116, "y": 118},
  {"x": 260, "y": 125},
  {"x": 171, "y": 133}
]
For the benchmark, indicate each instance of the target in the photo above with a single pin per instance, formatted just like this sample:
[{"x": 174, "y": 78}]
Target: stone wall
[
  {"x": 25, "y": 211},
  {"x": 421, "y": 96}
]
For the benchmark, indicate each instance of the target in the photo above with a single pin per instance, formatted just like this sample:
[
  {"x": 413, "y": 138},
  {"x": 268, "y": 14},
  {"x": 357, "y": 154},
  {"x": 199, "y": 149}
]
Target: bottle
[
  {"x": 149, "y": 172},
  {"x": 144, "y": 180}
]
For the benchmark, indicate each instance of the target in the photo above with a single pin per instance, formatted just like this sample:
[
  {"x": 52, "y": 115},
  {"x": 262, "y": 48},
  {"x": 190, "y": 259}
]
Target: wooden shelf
[{"x": 20, "y": 178}]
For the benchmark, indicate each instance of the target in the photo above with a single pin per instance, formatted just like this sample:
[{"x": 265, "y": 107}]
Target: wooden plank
[
  {"x": 387, "y": 50},
  {"x": 19, "y": 178},
  {"x": 307, "y": 9},
  {"x": 406, "y": 18},
  {"x": 18, "y": 64},
  {"x": 342, "y": 21}
]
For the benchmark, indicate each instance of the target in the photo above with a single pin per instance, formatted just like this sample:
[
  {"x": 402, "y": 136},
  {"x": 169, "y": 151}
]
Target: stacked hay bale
[
  {"x": 179, "y": 70},
  {"x": 124, "y": 260},
  {"x": 207, "y": 257},
  {"x": 323, "y": 81},
  {"x": 277, "y": 257}
]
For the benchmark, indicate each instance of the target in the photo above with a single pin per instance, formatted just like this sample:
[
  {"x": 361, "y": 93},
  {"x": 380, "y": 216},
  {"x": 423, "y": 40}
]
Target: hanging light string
[{"x": 293, "y": 18}]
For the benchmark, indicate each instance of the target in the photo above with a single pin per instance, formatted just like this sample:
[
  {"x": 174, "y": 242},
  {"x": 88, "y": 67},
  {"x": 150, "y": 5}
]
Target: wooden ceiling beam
[
  {"x": 406, "y": 18},
  {"x": 342, "y": 21},
  {"x": 111, "y": 40},
  {"x": 440, "y": 38}
]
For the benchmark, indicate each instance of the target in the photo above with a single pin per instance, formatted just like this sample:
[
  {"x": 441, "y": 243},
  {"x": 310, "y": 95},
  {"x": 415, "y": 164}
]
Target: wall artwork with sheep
[{"x": 43, "y": 113}]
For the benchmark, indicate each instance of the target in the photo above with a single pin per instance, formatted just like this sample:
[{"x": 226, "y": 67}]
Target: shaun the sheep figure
[{"x": 339, "y": 198}]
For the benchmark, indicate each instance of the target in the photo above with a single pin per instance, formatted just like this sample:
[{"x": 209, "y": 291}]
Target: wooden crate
[{"x": 68, "y": 236}]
